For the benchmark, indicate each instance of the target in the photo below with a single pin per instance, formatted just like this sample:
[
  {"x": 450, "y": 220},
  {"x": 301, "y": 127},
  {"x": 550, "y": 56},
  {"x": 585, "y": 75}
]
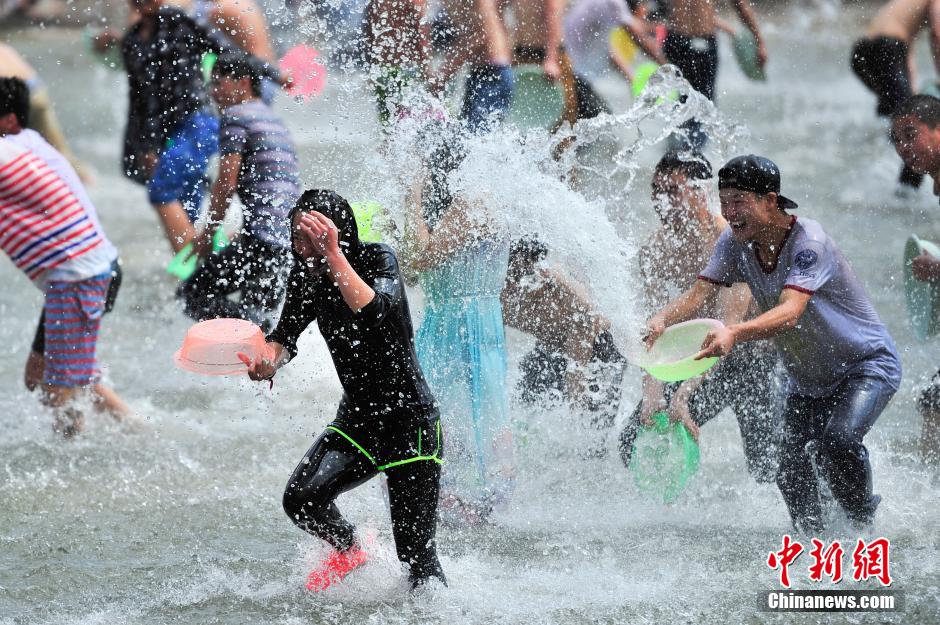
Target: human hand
[
  {"x": 35, "y": 368},
  {"x": 551, "y": 68},
  {"x": 926, "y": 268},
  {"x": 321, "y": 232},
  {"x": 761, "y": 54},
  {"x": 679, "y": 411},
  {"x": 718, "y": 342},
  {"x": 264, "y": 366},
  {"x": 203, "y": 243},
  {"x": 654, "y": 329}
]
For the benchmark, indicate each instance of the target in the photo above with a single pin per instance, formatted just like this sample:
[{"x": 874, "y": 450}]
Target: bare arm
[
  {"x": 643, "y": 39},
  {"x": 223, "y": 190},
  {"x": 682, "y": 308},
  {"x": 323, "y": 234},
  {"x": 780, "y": 318},
  {"x": 554, "y": 9},
  {"x": 934, "y": 21},
  {"x": 746, "y": 13},
  {"x": 494, "y": 34}
]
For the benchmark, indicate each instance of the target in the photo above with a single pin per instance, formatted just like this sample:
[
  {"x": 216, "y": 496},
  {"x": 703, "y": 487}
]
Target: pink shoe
[{"x": 335, "y": 567}]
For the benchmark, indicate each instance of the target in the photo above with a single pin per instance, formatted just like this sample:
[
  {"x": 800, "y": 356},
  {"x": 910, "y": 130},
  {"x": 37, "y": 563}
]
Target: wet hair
[
  {"x": 14, "y": 98},
  {"x": 335, "y": 207},
  {"x": 925, "y": 108},
  {"x": 692, "y": 165},
  {"x": 237, "y": 67}
]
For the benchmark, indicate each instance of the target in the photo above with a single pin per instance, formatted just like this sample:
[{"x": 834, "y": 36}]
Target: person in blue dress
[{"x": 461, "y": 257}]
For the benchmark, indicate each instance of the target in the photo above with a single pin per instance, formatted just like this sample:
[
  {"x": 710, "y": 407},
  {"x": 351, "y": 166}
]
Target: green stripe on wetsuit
[{"x": 390, "y": 465}]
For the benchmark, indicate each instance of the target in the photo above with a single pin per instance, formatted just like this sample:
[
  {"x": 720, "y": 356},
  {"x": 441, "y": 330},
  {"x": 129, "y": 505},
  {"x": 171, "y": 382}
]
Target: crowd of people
[{"x": 789, "y": 300}]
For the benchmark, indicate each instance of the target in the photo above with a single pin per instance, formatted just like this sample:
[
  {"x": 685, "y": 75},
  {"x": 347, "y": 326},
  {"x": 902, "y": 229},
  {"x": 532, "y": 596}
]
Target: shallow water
[{"x": 178, "y": 519}]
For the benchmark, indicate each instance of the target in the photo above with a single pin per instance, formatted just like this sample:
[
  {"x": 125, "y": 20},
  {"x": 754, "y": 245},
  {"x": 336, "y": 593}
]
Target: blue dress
[{"x": 462, "y": 349}]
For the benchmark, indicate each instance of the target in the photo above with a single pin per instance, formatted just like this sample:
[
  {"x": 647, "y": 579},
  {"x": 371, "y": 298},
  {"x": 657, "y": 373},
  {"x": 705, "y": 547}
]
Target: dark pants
[
  {"x": 697, "y": 59},
  {"x": 744, "y": 381},
  {"x": 881, "y": 64},
  {"x": 39, "y": 339},
  {"x": 252, "y": 268},
  {"x": 333, "y": 466},
  {"x": 487, "y": 96},
  {"x": 829, "y": 431}
]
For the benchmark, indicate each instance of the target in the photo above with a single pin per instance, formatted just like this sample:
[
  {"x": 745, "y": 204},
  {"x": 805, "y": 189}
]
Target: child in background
[
  {"x": 50, "y": 230},
  {"x": 259, "y": 163}
]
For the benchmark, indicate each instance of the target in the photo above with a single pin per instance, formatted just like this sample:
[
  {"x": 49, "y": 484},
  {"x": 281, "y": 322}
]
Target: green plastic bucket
[
  {"x": 183, "y": 265},
  {"x": 365, "y": 212},
  {"x": 745, "y": 51},
  {"x": 922, "y": 298},
  {"x": 536, "y": 101},
  {"x": 671, "y": 358},
  {"x": 665, "y": 457}
]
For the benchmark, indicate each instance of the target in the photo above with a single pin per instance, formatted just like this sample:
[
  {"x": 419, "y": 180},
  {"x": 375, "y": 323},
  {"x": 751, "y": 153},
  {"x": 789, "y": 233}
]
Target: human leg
[
  {"x": 413, "y": 491},
  {"x": 844, "y": 462},
  {"x": 330, "y": 467},
  {"x": 802, "y": 422},
  {"x": 928, "y": 405}
]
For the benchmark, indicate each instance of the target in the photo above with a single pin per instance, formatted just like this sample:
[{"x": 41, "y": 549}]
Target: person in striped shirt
[
  {"x": 259, "y": 164},
  {"x": 50, "y": 230}
]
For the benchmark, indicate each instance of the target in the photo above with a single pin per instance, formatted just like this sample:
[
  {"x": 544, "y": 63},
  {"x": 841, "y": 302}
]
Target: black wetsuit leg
[
  {"x": 413, "y": 492},
  {"x": 330, "y": 467},
  {"x": 249, "y": 266},
  {"x": 837, "y": 424},
  {"x": 881, "y": 64}
]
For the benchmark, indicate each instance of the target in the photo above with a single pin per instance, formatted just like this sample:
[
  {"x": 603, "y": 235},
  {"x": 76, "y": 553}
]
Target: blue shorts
[
  {"x": 181, "y": 168},
  {"x": 487, "y": 96}
]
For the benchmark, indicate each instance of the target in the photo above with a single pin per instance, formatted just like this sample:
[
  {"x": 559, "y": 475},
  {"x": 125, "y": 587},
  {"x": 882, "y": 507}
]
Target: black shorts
[
  {"x": 696, "y": 58},
  {"x": 881, "y": 63},
  {"x": 391, "y": 438}
]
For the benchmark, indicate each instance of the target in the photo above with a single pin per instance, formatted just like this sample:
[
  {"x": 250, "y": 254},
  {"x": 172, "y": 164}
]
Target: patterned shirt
[
  {"x": 269, "y": 179},
  {"x": 48, "y": 226}
]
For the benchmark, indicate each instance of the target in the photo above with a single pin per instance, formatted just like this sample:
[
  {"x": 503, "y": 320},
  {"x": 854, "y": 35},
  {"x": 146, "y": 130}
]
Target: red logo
[
  {"x": 784, "y": 558},
  {"x": 869, "y": 560}
]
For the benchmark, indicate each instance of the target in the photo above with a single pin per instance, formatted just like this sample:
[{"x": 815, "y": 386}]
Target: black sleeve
[
  {"x": 385, "y": 280},
  {"x": 297, "y": 313}
]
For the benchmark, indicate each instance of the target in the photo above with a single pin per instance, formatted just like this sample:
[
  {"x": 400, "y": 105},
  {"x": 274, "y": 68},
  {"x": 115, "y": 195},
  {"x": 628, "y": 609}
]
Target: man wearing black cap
[{"x": 841, "y": 362}]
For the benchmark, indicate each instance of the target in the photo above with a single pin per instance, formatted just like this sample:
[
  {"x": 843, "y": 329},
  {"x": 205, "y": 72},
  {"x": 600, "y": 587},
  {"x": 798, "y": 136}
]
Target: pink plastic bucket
[{"x": 210, "y": 347}]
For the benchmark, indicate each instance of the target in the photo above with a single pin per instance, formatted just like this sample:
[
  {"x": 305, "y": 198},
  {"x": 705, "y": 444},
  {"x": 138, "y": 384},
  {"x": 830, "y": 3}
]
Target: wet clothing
[
  {"x": 487, "y": 96},
  {"x": 841, "y": 361},
  {"x": 373, "y": 350},
  {"x": 333, "y": 465},
  {"x": 269, "y": 178},
  {"x": 115, "y": 274},
  {"x": 181, "y": 167},
  {"x": 48, "y": 225},
  {"x": 462, "y": 347},
  {"x": 828, "y": 431},
  {"x": 71, "y": 318},
  {"x": 839, "y": 334},
  {"x": 929, "y": 399},
  {"x": 386, "y": 401},
  {"x": 253, "y": 269},
  {"x": 746, "y": 382},
  {"x": 544, "y": 376},
  {"x": 881, "y": 64},
  {"x": 165, "y": 77},
  {"x": 587, "y": 26},
  {"x": 696, "y": 58}
]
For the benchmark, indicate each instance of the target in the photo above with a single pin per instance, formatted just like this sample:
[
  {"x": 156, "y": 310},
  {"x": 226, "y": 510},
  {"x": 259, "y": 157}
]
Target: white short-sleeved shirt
[
  {"x": 587, "y": 27},
  {"x": 839, "y": 334}
]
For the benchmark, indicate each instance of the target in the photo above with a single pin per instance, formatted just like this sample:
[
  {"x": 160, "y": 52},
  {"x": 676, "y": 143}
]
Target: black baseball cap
[{"x": 755, "y": 174}]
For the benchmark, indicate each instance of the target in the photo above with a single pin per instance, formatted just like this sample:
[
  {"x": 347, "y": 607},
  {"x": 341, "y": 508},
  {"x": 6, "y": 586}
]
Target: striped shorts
[{"x": 73, "y": 313}]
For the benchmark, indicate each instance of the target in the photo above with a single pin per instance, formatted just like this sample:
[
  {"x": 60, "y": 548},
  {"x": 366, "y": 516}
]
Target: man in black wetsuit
[{"x": 387, "y": 420}]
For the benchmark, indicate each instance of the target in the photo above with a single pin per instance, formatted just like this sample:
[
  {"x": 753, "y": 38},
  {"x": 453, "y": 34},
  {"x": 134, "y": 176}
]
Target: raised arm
[{"x": 223, "y": 190}]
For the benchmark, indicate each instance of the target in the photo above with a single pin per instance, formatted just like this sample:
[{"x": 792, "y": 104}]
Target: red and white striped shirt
[{"x": 46, "y": 224}]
